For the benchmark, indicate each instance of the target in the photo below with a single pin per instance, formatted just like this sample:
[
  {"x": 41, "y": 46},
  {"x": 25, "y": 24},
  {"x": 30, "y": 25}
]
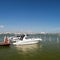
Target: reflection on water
[
  {"x": 57, "y": 40},
  {"x": 26, "y": 49}
]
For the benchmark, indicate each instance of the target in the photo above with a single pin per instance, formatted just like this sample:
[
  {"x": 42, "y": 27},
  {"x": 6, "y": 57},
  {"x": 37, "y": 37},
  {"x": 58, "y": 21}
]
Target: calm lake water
[{"x": 48, "y": 49}]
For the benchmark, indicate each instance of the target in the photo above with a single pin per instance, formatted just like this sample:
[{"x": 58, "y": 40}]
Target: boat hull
[
  {"x": 4, "y": 44},
  {"x": 26, "y": 42}
]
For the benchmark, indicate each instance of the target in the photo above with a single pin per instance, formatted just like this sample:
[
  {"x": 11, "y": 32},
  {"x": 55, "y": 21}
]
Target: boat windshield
[{"x": 21, "y": 37}]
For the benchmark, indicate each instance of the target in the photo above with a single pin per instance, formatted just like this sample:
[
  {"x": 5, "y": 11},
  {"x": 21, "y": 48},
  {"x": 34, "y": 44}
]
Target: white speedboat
[{"x": 24, "y": 40}]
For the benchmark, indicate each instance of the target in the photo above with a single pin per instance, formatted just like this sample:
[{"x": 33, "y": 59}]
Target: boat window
[
  {"x": 18, "y": 36},
  {"x": 26, "y": 38}
]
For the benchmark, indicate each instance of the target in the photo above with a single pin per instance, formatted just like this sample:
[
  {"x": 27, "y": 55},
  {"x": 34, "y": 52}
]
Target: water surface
[{"x": 48, "y": 49}]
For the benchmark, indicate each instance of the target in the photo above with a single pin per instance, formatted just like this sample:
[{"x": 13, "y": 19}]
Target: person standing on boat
[{"x": 6, "y": 40}]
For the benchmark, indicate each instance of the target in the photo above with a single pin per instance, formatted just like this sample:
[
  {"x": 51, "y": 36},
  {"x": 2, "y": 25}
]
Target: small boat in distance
[
  {"x": 6, "y": 42},
  {"x": 24, "y": 40}
]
